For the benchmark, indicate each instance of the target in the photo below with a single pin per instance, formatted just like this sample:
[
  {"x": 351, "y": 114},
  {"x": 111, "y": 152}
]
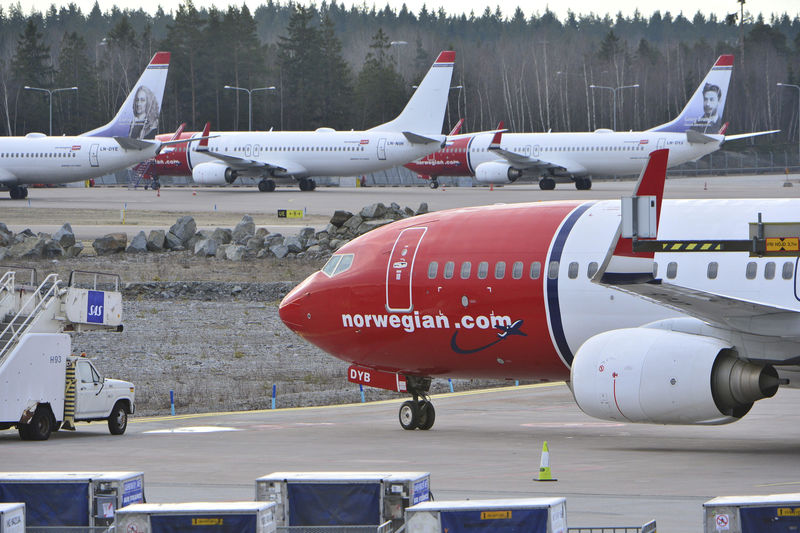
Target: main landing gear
[
  {"x": 419, "y": 412},
  {"x": 583, "y": 184},
  {"x": 307, "y": 184},
  {"x": 434, "y": 184},
  {"x": 17, "y": 192},
  {"x": 266, "y": 185},
  {"x": 547, "y": 184}
]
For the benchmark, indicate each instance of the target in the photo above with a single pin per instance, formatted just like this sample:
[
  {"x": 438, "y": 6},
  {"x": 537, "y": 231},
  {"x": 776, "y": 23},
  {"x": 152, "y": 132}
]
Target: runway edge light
[{"x": 544, "y": 466}]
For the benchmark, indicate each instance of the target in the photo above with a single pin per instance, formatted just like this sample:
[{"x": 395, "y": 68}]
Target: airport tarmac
[
  {"x": 485, "y": 444},
  {"x": 215, "y": 206}
]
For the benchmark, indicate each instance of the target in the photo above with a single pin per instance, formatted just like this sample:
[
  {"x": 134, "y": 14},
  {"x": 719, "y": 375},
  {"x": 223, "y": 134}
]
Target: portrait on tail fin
[
  {"x": 144, "y": 124},
  {"x": 711, "y": 121}
]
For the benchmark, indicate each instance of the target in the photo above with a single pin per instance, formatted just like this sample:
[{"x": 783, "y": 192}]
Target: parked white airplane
[
  {"x": 416, "y": 132},
  {"x": 497, "y": 159},
  {"x": 37, "y": 158}
]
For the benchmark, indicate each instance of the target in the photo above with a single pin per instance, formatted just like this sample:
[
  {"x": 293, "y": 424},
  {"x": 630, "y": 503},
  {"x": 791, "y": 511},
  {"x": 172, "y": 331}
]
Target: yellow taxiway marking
[
  {"x": 779, "y": 484},
  {"x": 312, "y": 407}
]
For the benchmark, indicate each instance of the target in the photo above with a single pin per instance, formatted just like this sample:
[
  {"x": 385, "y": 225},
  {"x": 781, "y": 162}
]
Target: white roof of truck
[
  {"x": 790, "y": 498},
  {"x": 67, "y": 477},
  {"x": 196, "y": 507},
  {"x": 486, "y": 505},
  {"x": 333, "y": 477}
]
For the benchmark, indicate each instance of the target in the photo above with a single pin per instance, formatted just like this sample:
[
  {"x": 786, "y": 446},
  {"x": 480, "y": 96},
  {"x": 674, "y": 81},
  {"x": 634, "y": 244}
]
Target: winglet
[
  {"x": 623, "y": 265},
  {"x": 204, "y": 137},
  {"x": 495, "y": 144},
  {"x": 177, "y": 134},
  {"x": 724, "y": 128},
  {"x": 457, "y": 127}
]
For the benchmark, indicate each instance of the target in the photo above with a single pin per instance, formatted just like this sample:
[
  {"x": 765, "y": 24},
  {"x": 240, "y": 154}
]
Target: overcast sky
[{"x": 688, "y": 7}]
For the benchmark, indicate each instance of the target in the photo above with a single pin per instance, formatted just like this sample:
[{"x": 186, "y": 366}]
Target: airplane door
[
  {"x": 382, "y": 149},
  {"x": 526, "y": 150},
  {"x": 536, "y": 151},
  {"x": 256, "y": 150},
  {"x": 662, "y": 143},
  {"x": 400, "y": 269},
  {"x": 93, "y": 160}
]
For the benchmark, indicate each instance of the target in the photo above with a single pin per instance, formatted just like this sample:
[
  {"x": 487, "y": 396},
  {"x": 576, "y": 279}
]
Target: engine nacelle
[
  {"x": 496, "y": 173},
  {"x": 213, "y": 174},
  {"x": 666, "y": 377}
]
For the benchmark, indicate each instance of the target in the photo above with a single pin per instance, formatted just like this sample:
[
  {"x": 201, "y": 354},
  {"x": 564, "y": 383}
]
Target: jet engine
[
  {"x": 666, "y": 377},
  {"x": 496, "y": 173},
  {"x": 213, "y": 174}
]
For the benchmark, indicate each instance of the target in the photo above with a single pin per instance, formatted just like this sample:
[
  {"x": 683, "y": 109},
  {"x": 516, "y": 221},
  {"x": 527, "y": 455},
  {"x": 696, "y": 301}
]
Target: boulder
[
  {"x": 422, "y": 209},
  {"x": 64, "y": 236},
  {"x": 52, "y": 249},
  {"x": 262, "y": 232},
  {"x": 138, "y": 244},
  {"x": 245, "y": 229},
  {"x": 335, "y": 244},
  {"x": 206, "y": 247},
  {"x": 273, "y": 239},
  {"x": 3, "y": 253},
  {"x": 156, "y": 240},
  {"x": 369, "y": 225},
  {"x": 353, "y": 223},
  {"x": 30, "y": 248},
  {"x": 294, "y": 244},
  {"x": 408, "y": 212},
  {"x": 264, "y": 252},
  {"x": 254, "y": 244},
  {"x": 74, "y": 250},
  {"x": 280, "y": 251},
  {"x": 314, "y": 250},
  {"x": 234, "y": 252},
  {"x": 222, "y": 251},
  {"x": 112, "y": 243},
  {"x": 340, "y": 217},
  {"x": 377, "y": 210},
  {"x": 222, "y": 235},
  {"x": 184, "y": 229},
  {"x": 306, "y": 233},
  {"x": 172, "y": 242}
]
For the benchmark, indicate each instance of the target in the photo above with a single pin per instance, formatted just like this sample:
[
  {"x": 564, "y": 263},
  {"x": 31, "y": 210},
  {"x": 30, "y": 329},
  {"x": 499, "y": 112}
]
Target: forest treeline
[{"x": 353, "y": 68}]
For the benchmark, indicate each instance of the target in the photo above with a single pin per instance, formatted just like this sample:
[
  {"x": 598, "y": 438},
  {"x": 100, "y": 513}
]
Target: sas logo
[
  {"x": 364, "y": 141},
  {"x": 95, "y": 307}
]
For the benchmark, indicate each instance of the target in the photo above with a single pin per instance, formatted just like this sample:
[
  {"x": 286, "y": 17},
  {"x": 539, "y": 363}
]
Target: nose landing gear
[{"x": 419, "y": 412}]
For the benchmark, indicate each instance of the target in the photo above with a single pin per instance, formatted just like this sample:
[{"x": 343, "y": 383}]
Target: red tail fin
[
  {"x": 204, "y": 142},
  {"x": 177, "y": 134},
  {"x": 456, "y": 128}
]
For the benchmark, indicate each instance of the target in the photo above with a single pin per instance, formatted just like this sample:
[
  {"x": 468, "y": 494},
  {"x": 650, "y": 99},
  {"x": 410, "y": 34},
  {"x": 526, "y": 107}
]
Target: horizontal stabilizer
[
  {"x": 129, "y": 143},
  {"x": 414, "y": 138},
  {"x": 747, "y": 135},
  {"x": 695, "y": 137}
]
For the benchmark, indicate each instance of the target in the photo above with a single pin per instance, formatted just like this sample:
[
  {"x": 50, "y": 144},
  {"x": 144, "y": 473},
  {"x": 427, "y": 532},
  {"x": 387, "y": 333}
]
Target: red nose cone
[{"x": 293, "y": 310}]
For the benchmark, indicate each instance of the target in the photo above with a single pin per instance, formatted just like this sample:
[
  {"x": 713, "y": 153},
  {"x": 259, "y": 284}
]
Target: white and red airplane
[
  {"x": 37, "y": 158},
  {"x": 551, "y": 291},
  {"x": 493, "y": 159},
  {"x": 416, "y": 132}
]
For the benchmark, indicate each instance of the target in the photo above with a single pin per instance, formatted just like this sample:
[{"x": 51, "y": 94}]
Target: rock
[
  {"x": 377, "y": 210},
  {"x": 264, "y": 252},
  {"x": 197, "y": 237},
  {"x": 245, "y": 229},
  {"x": 294, "y": 244},
  {"x": 236, "y": 290},
  {"x": 369, "y": 225},
  {"x": 409, "y": 212},
  {"x": 112, "y": 243},
  {"x": 172, "y": 242},
  {"x": 279, "y": 250},
  {"x": 335, "y": 244},
  {"x": 254, "y": 244},
  {"x": 3, "y": 253},
  {"x": 222, "y": 235},
  {"x": 422, "y": 209},
  {"x": 394, "y": 206},
  {"x": 74, "y": 250},
  {"x": 306, "y": 233},
  {"x": 273, "y": 239},
  {"x": 206, "y": 247},
  {"x": 52, "y": 249},
  {"x": 156, "y": 240},
  {"x": 340, "y": 217},
  {"x": 262, "y": 232},
  {"x": 234, "y": 252},
  {"x": 65, "y": 237},
  {"x": 30, "y": 248},
  {"x": 44, "y": 236},
  {"x": 316, "y": 249},
  {"x": 330, "y": 228},
  {"x": 184, "y": 229},
  {"x": 353, "y": 222},
  {"x": 138, "y": 244}
]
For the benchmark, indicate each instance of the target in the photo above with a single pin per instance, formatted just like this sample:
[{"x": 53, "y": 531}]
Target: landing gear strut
[
  {"x": 17, "y": 192},
  {"x": 266, "y": 185},
  {"x": 419, "y": 412},
  {"x": 307, "y": 184},
  {"x": 434, "y": 183}
]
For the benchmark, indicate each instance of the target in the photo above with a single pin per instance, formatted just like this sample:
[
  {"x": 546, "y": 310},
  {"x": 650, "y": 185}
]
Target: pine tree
[
  {"x": 31, "y": 66},
  {"x": 299, "y": 55},
  {"x": 336, "y": 76},
  {"x": 380, "y": 94}
]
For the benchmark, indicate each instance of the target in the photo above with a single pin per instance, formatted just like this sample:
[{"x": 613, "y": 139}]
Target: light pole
[
  {"x": 614, "y": 92},
  {"x": 50, "y": 94},
  {"x": 250, "y": 101},
  {"x": 798, "y": 115},
  {"x": 459, "y": 87},
  {"x": 397, "y": 45}
]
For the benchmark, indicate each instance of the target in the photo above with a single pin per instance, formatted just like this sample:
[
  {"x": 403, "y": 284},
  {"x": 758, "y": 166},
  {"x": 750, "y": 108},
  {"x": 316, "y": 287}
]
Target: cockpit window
[{"x": 338, "y": 264}]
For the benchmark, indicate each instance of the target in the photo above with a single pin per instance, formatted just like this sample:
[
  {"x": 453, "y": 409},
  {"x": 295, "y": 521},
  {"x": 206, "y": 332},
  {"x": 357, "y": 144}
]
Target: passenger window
[
  {"x": 466, "y": 268},
  {"x": 344, "y": 264},
  {"x": 788, "y": 270},
  {"x": 330, "y": 266},
  {"x": 536, "y": 270},
  {"x": 449, "y": 268},
  {"x": 483, "y": 269},
  {"x": 672, "y": 270},
  {"x": 552, "y": 270},
  {"x": 516, "y": 270},
  {"x": 572, "y": 270},
  {"x": 500, "y": 270},
  {"x": 591, "y": 270},
  {"x": 769, "y": 270},
  {"x": 433, "y": 269},
  {"x": 751, "y": 270},
  {"x": 711, "y": 271}
]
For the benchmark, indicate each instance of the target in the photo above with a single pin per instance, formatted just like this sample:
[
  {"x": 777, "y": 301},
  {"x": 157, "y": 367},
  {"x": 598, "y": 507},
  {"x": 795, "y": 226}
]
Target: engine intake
[
  {"x": 666, "y": 377},
  {"x": 496, "y": 173},
  {"x": 213, "y": 174}
]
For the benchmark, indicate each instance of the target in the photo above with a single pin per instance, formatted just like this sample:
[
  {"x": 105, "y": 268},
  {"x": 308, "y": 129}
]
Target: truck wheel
[
  {"x": 39, "y": 427},
  {"x": 118, "y": 421}
]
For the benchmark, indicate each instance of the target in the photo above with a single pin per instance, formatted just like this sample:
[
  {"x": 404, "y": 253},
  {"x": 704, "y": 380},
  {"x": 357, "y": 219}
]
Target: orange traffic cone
[{"x": 491, "y": 186}]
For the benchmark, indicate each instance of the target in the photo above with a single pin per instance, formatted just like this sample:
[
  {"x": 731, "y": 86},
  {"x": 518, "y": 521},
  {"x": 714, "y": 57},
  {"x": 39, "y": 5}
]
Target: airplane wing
[
  {"x": 129, "y": 143},
  {"x": 520, "y": 161},
  {"x": 240, "y": 163},
  {"x": 415, "y": 138},
  {"x": 746, "y": 135}
]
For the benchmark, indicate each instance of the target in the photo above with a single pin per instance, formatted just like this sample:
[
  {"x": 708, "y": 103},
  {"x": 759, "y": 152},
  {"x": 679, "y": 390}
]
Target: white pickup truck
[{"x": 42, "y": 386}]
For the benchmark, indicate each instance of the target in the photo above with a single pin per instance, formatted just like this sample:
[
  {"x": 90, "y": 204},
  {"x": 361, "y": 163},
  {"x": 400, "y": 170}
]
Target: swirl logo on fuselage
[{"x": 505, "y": 332}]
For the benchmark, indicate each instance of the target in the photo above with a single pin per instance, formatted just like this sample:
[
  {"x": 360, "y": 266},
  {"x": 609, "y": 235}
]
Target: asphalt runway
[
  {"x": 211, "y": 203},
  {"x": 484, "y": 444}
]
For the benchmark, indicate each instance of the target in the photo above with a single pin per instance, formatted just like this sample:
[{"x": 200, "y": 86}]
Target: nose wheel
[{"x": 419, "y": 412}]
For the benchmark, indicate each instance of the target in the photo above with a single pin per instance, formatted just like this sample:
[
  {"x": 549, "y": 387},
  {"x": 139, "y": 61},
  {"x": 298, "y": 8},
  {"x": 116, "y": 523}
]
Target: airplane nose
[{"x": 293, "y": 309}]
